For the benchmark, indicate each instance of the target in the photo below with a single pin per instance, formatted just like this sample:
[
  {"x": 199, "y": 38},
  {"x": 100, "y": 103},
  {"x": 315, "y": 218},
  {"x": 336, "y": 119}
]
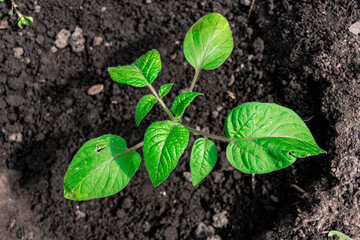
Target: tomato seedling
[
  {"x": 21, "y": 20},
  {"x": 262, "y": 137}
]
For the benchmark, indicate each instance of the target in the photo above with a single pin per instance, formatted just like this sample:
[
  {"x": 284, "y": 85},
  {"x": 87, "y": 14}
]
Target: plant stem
[
  {"x": 167, "y": 110},
  {"x": 13, "y": 6},
  {"x": 139, "y": 145},
  {"x": 197, "y": 71},
  {"x": 222, "y": 138}
]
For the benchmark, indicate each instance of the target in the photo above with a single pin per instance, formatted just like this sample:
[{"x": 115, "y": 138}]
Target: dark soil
[{"x": 299, "y": 54}]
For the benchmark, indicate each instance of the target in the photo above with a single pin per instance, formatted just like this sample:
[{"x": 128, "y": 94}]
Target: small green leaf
[
  {"x": 267, "y": 137},
  {"x": 27, "y": 20},
  {"x": 209, "y": 42},
  {"x": 203, "y": 159},
  {"x": 165, "y": 89},
  {"x": 102, "y": 167},
  {"x": 164, "y": 144},
  {"x": 182, "y": 101},
  {"x": 18, "y": 6},
  {"x": 20, "y": 22},
  {"x": 1, "y": 1},
  {"x": 144, "y": 106},
  {"x": 340, "y": 235},
  {"x": 139, "y": 74},
  {"x": 11, "y": 12}
]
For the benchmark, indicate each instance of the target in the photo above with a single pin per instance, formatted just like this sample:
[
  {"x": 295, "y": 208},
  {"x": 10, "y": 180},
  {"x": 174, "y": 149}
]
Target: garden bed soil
[{"x": 299, "y": 54}]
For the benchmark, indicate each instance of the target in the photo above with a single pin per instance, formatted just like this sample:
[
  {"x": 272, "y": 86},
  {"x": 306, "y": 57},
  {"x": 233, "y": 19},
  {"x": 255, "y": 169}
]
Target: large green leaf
[
  {"x": 209, "y": 42},
  {"x": 267, "y": 137},
  {"x": 164, "y": 143},
  {"x": 203, "y": 159},
  {"x": 182, "y": 101},
  {"x": 165, "y": 89},
  {"x": 139, "y": 74},
  {"x": 145, "y": 104},
  {"x": 332, "y": 235},
  {"x": 102, "y": 167}
]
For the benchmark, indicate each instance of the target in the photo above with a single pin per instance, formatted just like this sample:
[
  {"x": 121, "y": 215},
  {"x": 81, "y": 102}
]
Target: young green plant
[
  {"x": 21, "y": 20},
  {"x": 261, "y": 137}
]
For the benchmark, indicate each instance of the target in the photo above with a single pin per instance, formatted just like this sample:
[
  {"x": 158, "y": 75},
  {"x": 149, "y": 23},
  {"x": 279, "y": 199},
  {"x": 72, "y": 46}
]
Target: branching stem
[
  {"x": 14, "y": 7},
  {"x": 167, "y": 110}
]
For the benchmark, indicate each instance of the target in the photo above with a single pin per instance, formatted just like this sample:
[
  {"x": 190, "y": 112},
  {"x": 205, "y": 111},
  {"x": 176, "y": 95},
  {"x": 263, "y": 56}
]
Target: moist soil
[{"x": 299, "y": 54}]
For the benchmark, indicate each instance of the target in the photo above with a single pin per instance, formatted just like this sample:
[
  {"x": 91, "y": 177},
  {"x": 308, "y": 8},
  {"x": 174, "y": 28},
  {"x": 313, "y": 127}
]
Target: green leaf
[
  {"x": 27, "y": 20},
  {"x": 144, "y": 106},
  {"x": 1, "y": 1},
  {"x": 164, "y": 144},
  {"x": 182, "y": 101},
  {"x": 20, "y": 22},
  {"x": 165, "y": 89},
  {"x": 139, "y": 74},
  {"x": 102, "y": 167},
  {"x": 18, "y": 6},
  {"x": 340, "y": 235},
  {"x": 11, "y": 12},
  {"x": 267, "y": 137},
  {"x": 203, "y": 159},
  {"x": 209, "y": 42}
]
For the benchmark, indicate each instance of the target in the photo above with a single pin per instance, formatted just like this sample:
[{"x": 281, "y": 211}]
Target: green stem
[
  {"x": 197, "y": 71},
  {"x": 167, "y": 110},
  {"x": 222, "y": 138}
]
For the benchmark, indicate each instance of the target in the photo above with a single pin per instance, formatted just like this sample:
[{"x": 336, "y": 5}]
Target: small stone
[
  {"x": 18, "y": 52},
  {"x": 231, "y": 94},
  {"x": 16, "y": 137},
  {"x": 37, "y": 9},
  {"x": 103, "y": 9},
  {"x": 107, "y": 44},
  {"x": 232, "y": 80},
  {"x": 62, "y": 38},
  {"x": 148, "y": 1},
  {"x": 95, "y": 89},
  {"x": 215, "y": 114},
  {"x": 218, "y": 177},
  {"x": 80, "y": 214},
  {"x": 274, "y": 198},
  {"x": 355, "y": 28},
  {"x": 97, "y": 41},
  {"x": 53, "y": 49},
  {"x": 220, "y": 220},
  {"x": 77, "y": 40},
  {"x": 245, "y": 2},
  {"x": 4, "y": 24},
  {"x": 203, "y": 231},
  {"x": 187, "y": 176}
]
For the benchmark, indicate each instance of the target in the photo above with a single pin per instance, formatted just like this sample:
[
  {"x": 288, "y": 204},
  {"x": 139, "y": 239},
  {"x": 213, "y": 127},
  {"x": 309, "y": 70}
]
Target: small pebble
[
  {"x": 103, "y": 9},
  {"x": 95, "y": 89},
  {"x": 97, "y": 41},
  {"x": 187, "y": 176},
  {"x": 215, "y": 114},
  {"x": 355, "y": 28},
  {"x": 62, "y": 38},
  {"x": 245, "y": 2},
  {"x": 220, "y": 220},
  {"x": 232, "y": 80},
  {"x": 16, "y": 137},
  {"x": 4, "y": 24},
  {"x": 53, "y": 49},
  {"x": 77, "y": 40},
  {"x": 231, "y": 94},
  {"x": 18, "y": 52}
]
